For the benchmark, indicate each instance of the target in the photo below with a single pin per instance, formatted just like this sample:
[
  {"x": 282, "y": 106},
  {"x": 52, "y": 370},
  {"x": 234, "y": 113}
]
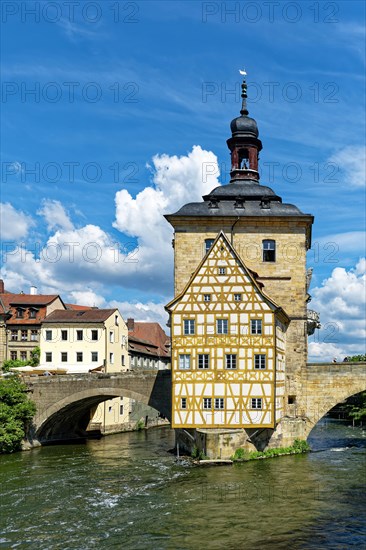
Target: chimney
[
  {"x": 1, "y": 286},
  {"x": 33, "y": 290},
  {"x": 130, "y": 324}
]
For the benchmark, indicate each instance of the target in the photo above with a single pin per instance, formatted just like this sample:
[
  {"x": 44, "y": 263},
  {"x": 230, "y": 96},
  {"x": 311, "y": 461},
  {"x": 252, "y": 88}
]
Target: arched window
[{"x": 269, "y": 250}]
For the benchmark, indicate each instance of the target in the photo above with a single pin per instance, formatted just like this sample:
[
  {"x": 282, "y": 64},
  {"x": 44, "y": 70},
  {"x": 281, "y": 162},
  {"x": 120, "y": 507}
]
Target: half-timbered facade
[{"x": 228, "y": 342}]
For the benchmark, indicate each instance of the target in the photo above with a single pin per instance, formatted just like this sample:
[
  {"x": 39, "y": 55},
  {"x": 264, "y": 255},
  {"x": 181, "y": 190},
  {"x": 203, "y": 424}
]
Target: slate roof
[{"x": 241, "y": 198}]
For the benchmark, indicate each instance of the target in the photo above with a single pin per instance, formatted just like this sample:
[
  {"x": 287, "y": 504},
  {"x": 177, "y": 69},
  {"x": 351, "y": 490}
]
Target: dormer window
[
  {"x": 269, "y": 250},
  {"x": 213, "y": 204},
  {"x": 32, "y": 313},
  {"x": 20, "y": 313}
]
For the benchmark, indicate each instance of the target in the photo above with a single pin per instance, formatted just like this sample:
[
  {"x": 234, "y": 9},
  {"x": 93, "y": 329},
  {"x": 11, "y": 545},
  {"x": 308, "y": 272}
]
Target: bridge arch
[
  {"x": 70, "y": 416},
  {"x": 64, "y": 403},
  {"x": 327, "y": 386}
]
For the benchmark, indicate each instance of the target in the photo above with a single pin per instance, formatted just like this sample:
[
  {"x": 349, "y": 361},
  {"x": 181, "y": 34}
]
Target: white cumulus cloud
[
  {"x": 351, "y": 162},
  {"x": 55, "y": 215},
  {"x": 14, "y": 224},
  {"x": 341, "y": 302},
  {"x": 73, "y": 259},
  {"x": 148, "y": 312}
]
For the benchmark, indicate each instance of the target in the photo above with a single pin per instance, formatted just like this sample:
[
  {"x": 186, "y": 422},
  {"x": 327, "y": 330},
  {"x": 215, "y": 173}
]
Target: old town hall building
[{"x": 239, "y": 319}]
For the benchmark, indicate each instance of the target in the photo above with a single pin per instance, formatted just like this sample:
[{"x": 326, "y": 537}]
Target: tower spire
[
  {"x": 244, "y": 144},
  {"x": 244, "y": 110}
]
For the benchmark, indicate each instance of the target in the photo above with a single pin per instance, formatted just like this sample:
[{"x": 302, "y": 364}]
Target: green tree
[
  {"x": 16, "y": 413},
  {"x": 357, "y": 358},
  {"x": 358, "y": 411},
  {"x": 35, "y": 356},
  {"x": 14, "y": 363}
]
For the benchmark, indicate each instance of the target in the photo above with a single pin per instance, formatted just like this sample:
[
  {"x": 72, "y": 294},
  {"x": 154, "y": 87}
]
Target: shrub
[
  {"x": 16, "y": 413},
  {"x": 298, "y": 447}
]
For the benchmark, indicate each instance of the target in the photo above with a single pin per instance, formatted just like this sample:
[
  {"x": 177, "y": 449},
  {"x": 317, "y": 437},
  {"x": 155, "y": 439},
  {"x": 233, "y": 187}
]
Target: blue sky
[{"x": 130, "y": 98}]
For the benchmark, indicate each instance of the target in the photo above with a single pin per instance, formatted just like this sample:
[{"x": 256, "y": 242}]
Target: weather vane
[{"x": 242, "y": 72}]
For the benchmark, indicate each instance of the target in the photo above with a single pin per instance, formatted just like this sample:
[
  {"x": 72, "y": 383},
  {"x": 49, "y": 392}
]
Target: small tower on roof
[{"x": 244, "y": 144}]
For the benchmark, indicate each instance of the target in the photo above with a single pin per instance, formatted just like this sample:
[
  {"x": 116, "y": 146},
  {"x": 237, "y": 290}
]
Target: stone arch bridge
[{"x": 63, "y": 402}]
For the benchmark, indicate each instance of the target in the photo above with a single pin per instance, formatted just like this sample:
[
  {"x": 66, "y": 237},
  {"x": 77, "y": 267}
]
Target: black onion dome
[{"x": 244, "y": 126}]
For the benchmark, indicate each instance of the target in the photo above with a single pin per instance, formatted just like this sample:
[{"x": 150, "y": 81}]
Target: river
[{"x": 127, "y": 491}]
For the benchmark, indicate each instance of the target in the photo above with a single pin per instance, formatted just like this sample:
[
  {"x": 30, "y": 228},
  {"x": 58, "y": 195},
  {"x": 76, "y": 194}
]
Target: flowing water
[{"x": 127, "y": 491}]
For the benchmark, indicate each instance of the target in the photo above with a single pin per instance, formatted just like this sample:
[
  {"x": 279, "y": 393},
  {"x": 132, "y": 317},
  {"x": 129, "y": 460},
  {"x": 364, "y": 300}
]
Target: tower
[{"x": 239, "y": 316}]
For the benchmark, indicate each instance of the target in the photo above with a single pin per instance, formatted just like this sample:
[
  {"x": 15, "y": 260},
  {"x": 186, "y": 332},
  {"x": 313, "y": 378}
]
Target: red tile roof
[
  {"x": 9, "y": 299},
  {"x": 10, "y": 303},
  {"x": 75, "y": 316},
  {"x": 153, "y": 334},
  {"x": 76, "y": 307}
]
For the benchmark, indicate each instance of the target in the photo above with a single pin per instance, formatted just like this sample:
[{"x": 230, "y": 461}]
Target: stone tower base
[{"x": 222, "y": 443}]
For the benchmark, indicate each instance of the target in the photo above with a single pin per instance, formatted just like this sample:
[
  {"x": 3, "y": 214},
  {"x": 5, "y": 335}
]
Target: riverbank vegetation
[
  {"x": 354, "y": 408},
  {"x": 16, "y": 413},
  {"x": 242, "y": 455}
]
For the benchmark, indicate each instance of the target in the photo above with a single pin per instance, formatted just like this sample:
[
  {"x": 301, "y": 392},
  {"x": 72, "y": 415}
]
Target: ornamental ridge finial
[{"x": 244, "y": 111}]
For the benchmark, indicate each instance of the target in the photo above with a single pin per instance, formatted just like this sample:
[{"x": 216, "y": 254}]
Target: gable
[{"x": 209, "y": 279}]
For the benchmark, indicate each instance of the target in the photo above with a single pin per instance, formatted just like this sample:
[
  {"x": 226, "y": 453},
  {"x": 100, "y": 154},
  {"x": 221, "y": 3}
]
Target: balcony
[{"x": 313, "y": 321}]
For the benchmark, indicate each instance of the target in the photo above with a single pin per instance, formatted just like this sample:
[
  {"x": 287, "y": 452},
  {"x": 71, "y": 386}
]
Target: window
[
  {"x": 237, "y": 297},
  {"x": 23, "y": 355},
  {"x": 13, "y": 355},
  {"x": 222, "y": 326},
  {"x": 116, "y": 320},
  {"x": 269, "y": 250},
  {"x": 207, "y": 403},
  {"x": 34, "y": 335},
  {"x": 188, "y": 326},
  {"x": 14, "y": 335},
  {"x": 94, "y": 334},
  {"x": 24, "y": 335},
  {"x": 183, "y": 403},
  {"x": 259, "y": 361},
  {"x": 184, "y": 362},
  {"x": 32, "y": 313},
  {"x": 208, "y": 244},
  {"x": 20, "y": 313},
  {"x": 79, "y": 356},
  {"x": 222, "y": 270},
  {"x": 231, "y": 361},
  {"x": 94, "y": 356},
  {"x": 63, "y": 356},
  {"x": 48, "y": 356},
  {"x": 111, "y": 358},
  {"x": 256, "y": 403},
  {"x": 203, "y": 361},
  {"x": 48, "y": 335},
  {"x": 111, "y": 336},
  {"x": 122, "y": 360},
  {"x": 207, "y": 297},
  {"x": 219, "y": 403},
  {"x": 63, "y": 334},
  {"x": 256, "y": 326},
  {"x": 79, "y": 335},
  {"x": 121, "y": 410}
]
